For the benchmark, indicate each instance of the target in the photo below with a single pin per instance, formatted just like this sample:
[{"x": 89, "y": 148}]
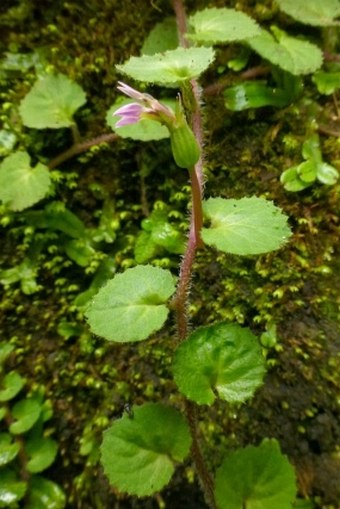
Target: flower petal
[
  {"x": 129, "y": 113},
  {"x": 129, "y": 91}
]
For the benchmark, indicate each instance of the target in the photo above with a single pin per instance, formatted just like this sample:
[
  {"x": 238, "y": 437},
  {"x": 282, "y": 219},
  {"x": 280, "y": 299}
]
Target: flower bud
[{"x": 184, "y": 146}]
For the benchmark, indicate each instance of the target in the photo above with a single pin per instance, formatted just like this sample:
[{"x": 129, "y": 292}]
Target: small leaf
[
  {"x": 8, "y": 449},
  {"x": 139, "y": 451},
  {"x": 312, "y": 12},
  {"x": 169, "y": 68},
  {"x": 45, "y": 494},
  {"x": 56, "y": 216},
  {"x": 291, "y": 180},
  {"x": 218, "y": 25},
  {"x": 162, "y": 37},
  {"x": 306, "y": 171},
  {"x": 267, "y": 479},
  {"x": 247, "y": 226},
  {"x": 223, "y": 359},
  {"x": 327, "y": 82},
  {"x": 311, "y": 149},
  {"x": 144, "y": 130},
  {"x": 132, "y": 305},
  {"x": 327, "y": 174},
  {"x": 26, "y": 413},
  {"x": 21, "y": 186},
  {"x": 145, "y": 248},
  {"x": 5, "y": 351},
  {"x": 12, "y": 384},
  {"x": 11, "y": 489},
  {"x": 52, "y": 102},
  {"x": 289, "y": 53},
  {"x": 254, "y": 94},
  {"x": 41, "y": 452}
]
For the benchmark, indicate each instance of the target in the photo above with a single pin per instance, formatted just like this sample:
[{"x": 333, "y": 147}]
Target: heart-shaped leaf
[
  {"x": 223, "y": 359},
  {"x": 218, "y": 25},
  {"x": 312, "y": 12},
  {"x": 8, "y": 449},
  {"x": 169, "y": 68},
  {"x": 52, "y": 102},
  {"x": 12, "y": 384},
  {"x": 247, "y": 226},
  {"x": 41, "y": 452},
  {"x": 21, "y": 186},
  {"x": 26, "y": 413},
  {"x": 140, "y": 450},
  {"x": 267, "y": 479},
  {"x": 131, "y": 306}
]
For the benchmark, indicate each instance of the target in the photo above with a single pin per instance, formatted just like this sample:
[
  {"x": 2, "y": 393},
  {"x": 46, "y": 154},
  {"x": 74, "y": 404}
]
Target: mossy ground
[{"x": 88, "y": 380}]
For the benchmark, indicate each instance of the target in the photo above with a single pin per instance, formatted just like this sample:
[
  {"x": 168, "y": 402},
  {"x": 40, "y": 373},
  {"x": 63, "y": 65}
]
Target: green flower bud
[{"x": 184, "y": 146}]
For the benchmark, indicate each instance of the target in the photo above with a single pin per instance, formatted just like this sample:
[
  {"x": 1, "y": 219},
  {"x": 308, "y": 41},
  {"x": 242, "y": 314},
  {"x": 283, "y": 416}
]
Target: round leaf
[
  {"x": 11, "y": 489},
  {"x": 144, "y": 130},
  {"x": 140, "y": 449},
  {"x": 312, "y": 12},
  {"x": 45, "y": 494},
  {"x": 8, "y": 449},
  {"x": 26, "y": 412},
  {"x": 306, "y": 171},
  {"x": 132, "y": 305},
  {"x": 41, "y": 452},
  {"x": 247, "y": 226},
  {"x": 289, "y": 53},
  {"x": 221, "y": 25},
  {"x": 223, "y": 359},
  {"x": 327, "y": 174},
  {"x": 51, "y": 102},
  {"x": 169, "y": 68},
  {"x": 12, "y": 384},
  {"x": 20, "y": 185},
  {"x": 291, "y": 180},
  {"x": 255, "y": 478},
  {"x": 163, "y": 37}
]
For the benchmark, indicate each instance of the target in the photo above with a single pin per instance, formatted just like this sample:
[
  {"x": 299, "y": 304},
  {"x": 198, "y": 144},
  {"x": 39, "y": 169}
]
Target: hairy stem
[{"x": 194, "y": 242}]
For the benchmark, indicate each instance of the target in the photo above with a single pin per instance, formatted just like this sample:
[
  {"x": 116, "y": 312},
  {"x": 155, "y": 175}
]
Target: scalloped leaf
[
  {"x": 288, "y": 53},
  {"x": 218, "y": 25},
  {"x": 169, "y": 68},
  {"x": 26, "y": 413},
  {"x": 144, "y": 130},
  {"x": 41, "y": 452},
  {"x": 11, "y": 489},
  {"x": 267, "y": 479},
  {"x": 247, "y": 226},
  {"x": 21, "y": 186},
  {"x": 8, "y": 449},
  {"x": 312, "y": 12},
  {"x": 12, "y": 383},
  {"x": 45, "y": 494},
  {"x": 140, "y": 450},
  {"x": 131, "y": 306},
  {"x": 163, "y": 37},
  {"x": 52, "y": 102},
  {"x": 224, "y": 360}
]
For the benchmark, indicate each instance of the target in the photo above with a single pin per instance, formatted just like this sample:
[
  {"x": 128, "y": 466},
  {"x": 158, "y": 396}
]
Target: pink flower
[{"x": 146, "y": 107}]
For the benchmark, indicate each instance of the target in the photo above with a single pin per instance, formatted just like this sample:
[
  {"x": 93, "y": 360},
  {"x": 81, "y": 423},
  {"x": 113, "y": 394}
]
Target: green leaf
[
  {"x": 21, "y": 186},
  {"x": 145, "y": 248},
  {"x": 307, "y": 171},
  {"x": 327, "y": 174},
  {"x": 132, "y": 305},
  {"x": 254, "y": 94},
  {"x": 26, "y": 413},
  {"x": 41, "y": 452},
  {"x": 5, "y": 351},
  {"x": 2, "y": 413},
  {"x": 11, "y": 385},
  {"x": 52, "y": 102},
  {"x": 45, "y": 494},
  {"x": 327, "y": 82},
  {"x": 11, "y": 489},
  {"x": 247, "y": 226},
  {"x": 218, "y": 25},
  {"x": 224, "y": 360},
  {"x": 56, "y": 216},
  {"x": 144, "y": 130},
  {"x": 267, "y": 479},
  {"x": 80, "y": 251},
  {"x": 25, "y": 272},
  {"x": 7, "y": 142},
  {"x": 162, "y": 37},
  {"x": 169, "y": 68},
  {"x": 139, "y": 451},
  {"x": 291, "y": 180},
  {"x": 288, "y": 53},
  {"x": 8, "y": 449},
  {"x": 312, "y": 12},
  {"x": 311, "y": 149}
]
